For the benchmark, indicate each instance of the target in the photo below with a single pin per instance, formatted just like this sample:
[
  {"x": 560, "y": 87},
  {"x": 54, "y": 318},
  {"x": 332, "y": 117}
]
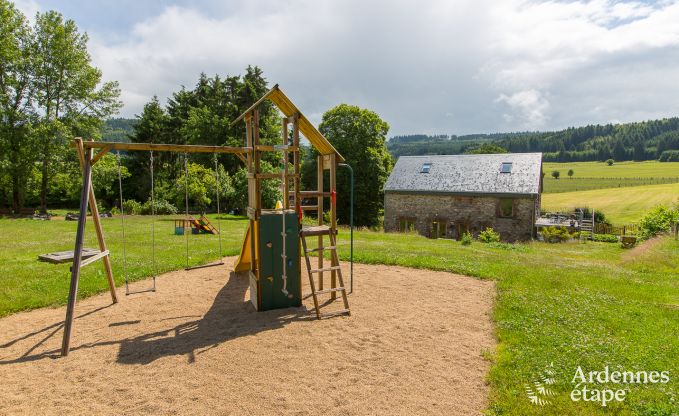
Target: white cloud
[
  {"x": 28, "y": 7},
  {"x": 435, "y": 66},
  {"x": 531, "y": 106}
]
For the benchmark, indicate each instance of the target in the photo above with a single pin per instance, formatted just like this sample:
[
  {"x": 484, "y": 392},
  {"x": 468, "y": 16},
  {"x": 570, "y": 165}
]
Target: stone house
[{"x": 447, "y": 195}]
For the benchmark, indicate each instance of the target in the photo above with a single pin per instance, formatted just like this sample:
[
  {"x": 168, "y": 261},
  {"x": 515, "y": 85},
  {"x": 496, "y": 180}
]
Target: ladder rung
[
  {"x": 309, "y": 207},
  {"x": 325, "y": 269},
  {"x": 316, "y": 230},
  {"x": 321, "y": 249},
  {"x": 312, "y": 194},
  {"x": 334, "y": 289},
  {"x": 336, "y": 313}
]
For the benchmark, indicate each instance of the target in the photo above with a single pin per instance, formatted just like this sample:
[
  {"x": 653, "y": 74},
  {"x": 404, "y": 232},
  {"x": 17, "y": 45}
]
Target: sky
[{"x": 432, "y": 67}]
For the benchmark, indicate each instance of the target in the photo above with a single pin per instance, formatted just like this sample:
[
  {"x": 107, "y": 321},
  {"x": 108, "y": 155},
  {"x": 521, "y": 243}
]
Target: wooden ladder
[{"x": 320, "y": 231}]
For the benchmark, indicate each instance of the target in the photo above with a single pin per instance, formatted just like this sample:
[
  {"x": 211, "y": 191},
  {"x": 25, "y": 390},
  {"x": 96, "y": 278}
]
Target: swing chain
[{"x": 122, "y": 223}]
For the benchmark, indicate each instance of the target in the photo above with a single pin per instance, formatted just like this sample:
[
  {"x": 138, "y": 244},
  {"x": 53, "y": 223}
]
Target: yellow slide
[{"x": 243, "y": 261}]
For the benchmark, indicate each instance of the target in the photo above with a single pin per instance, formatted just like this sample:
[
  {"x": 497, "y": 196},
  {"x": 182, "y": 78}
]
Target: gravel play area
[{"x": 414, "y": 344}]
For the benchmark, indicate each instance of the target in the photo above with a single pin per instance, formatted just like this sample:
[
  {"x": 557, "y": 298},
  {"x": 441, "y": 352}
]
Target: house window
[
  {"x": 425, "y": 168},
  {"x": 506, "y": 167},
  {"x": 505, "y": 208},
  {"x": 406, "y": 225}
]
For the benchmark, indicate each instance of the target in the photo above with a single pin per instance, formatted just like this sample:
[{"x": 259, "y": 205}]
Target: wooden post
[
  {"x": 77, "y": 253},
  {"x": 319, "y": 211},
  {"x": 97, "y": 224},
  {"x": 296, "y": 160},
  {"x": 333, "y": 215},
  {"x": 286, "y": 187}
]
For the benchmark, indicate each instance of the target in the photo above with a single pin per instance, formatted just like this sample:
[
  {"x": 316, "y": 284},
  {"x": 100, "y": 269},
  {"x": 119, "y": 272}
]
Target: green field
[
  {"x": 621, "y": 205},
  {"x": 598, "y": 175},
  {"x": 572, "y": 304}
]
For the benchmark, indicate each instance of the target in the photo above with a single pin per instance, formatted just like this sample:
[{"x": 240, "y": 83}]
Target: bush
[
  {"x": 467, "y": 238},
  {"x": 162, "y": 207},
  {"x": 131, "y": 207},
  {"x": 610, "y": 162},
  {"x": 605, "y": 238},
  {"x": 489, "y": 236},
  {"x": 555, "y": 234},
  {"x": 669, "y": 156},
  {"x": 658, "y": 220}
]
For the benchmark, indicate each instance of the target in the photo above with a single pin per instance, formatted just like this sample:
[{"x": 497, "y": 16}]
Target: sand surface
[{"x": 412, "y": 345}]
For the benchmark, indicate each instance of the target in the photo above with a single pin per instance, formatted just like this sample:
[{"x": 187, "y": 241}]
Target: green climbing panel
[{"x": 270, "y": 286}]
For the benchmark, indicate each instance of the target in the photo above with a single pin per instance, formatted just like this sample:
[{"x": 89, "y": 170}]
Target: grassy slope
[
  {"x": 590, "y": 305},
  {"x": 620, "y": 205},
  {"x": 598, "y": 175}
]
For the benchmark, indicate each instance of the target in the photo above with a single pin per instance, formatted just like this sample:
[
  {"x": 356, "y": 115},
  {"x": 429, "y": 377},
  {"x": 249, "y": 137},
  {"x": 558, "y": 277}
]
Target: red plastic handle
[{"x": 333, "y": 196}]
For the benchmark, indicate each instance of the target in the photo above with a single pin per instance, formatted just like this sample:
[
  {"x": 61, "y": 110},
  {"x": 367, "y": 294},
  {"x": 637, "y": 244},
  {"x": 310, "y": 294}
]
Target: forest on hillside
[{"x": 646, "y": 140}]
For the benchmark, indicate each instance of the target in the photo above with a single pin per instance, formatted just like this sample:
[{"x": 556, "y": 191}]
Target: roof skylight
[{"x": 506, "y": 167}]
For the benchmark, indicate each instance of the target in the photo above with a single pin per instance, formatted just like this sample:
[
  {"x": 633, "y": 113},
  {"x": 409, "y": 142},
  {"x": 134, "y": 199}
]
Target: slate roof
[{"x": 467, "y": 174}]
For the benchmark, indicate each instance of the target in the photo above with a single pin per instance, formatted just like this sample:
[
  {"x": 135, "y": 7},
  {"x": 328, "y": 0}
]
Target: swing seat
[{"x": 60, "y": 257}]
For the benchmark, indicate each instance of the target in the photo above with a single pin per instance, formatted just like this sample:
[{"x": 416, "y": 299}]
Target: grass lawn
[
  {"x": 27, "y": 283},
  {"x": 621, "y": 206},
  {"x": 598, "y": 175},
  {"x": 590, "y": 305}
]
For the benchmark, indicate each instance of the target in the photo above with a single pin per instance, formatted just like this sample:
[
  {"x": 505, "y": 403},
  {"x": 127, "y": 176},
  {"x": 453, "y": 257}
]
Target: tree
[
  {"x": 69, "y": 97},
  {"x": 359, "y": 135},
  {"x": 17, "y": 141},
  {"x": 570, "y": 173},
  {"x": 486, "y": 148},
  {"x": 556, "y": 174},
  {"x": 610, "y": 162},
  {"x": 202, "y": 186}
]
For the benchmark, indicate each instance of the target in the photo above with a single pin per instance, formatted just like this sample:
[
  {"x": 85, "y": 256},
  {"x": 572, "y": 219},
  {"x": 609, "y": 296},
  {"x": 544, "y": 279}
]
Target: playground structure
[
  {"x": 271, "y": 251},
  {"x": 201, "y": 225}
]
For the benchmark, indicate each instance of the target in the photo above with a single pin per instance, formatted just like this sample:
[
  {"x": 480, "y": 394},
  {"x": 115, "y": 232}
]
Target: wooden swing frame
[{"x": 250, "y": 155}]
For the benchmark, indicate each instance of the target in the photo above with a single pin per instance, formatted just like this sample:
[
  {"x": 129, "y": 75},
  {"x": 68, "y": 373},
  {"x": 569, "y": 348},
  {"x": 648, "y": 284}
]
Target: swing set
[{"x": 275, "y": 239}]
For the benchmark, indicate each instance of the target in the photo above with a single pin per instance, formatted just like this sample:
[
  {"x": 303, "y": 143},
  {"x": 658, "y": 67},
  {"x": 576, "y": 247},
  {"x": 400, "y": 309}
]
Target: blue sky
[{"x": 436, "y": 66}]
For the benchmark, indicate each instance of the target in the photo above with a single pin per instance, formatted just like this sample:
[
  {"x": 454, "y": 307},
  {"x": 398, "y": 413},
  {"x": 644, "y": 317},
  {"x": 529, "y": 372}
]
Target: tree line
[{"x": 647, "y": 140}]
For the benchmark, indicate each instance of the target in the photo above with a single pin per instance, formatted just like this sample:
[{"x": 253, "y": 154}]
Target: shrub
[
  {"x": 162, "y": 207},
  {"x": 610, "y": 162},
  {"x": 489, "y": 236},
  {"x": 669, "y": 156},
  {"x": 466, "y": 239},
  {"x": 605, "y": 238},
  {"x": 658, "y": 220},
  {"x": 131, "y": 207},
  {"x": 555, "y": 234}
]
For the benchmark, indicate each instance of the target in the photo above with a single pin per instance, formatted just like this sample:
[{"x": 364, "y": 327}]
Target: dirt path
[{"x": 413, "y": 345}]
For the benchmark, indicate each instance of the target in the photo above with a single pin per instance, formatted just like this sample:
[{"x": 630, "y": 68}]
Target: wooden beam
[
  {"x": 94, "y": 258},
  {"x": 77, "y": 252},
  {"x": 181, "y": 148},
  {"x": 100, "y": 154},
  {"x": 97, "y": 223},
  {"x": 254, "y": 106}
]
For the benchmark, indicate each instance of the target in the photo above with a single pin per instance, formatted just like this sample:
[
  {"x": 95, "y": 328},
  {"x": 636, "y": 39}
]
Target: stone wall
[{"x": 455, "y": 214}]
